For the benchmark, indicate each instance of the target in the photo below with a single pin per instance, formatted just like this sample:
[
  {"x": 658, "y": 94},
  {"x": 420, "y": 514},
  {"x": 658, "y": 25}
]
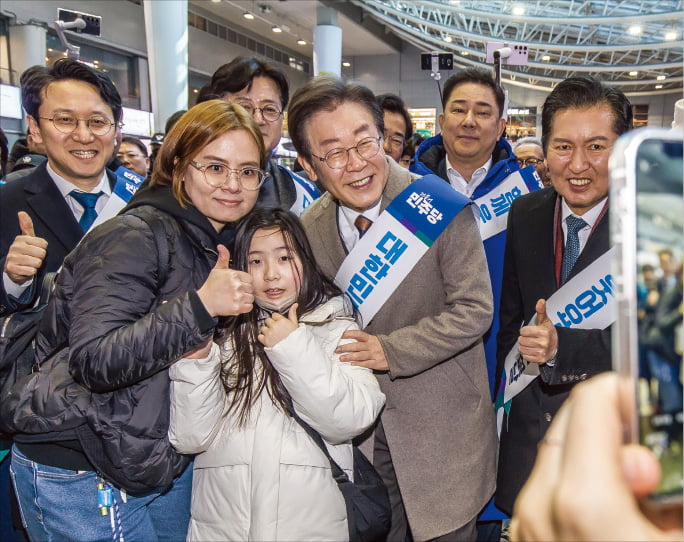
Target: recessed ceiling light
[
  {"x": 671, "y": 35},
  {"x": 518, "y": 10},
  {"x": 661, "y": 78},
  {"x": 546, "y": 58},
  {"x": 346, "y": 64},
  {"x": 247, "y": 15},
  {"x": 276, "y": 29},
  {"x": 300, "y": 41},
  {"x": 215, "y": 1},
  {"x": 448, "y": 39},
  {"x": 464, "y": 53},
  {"x": 195, "y": 91},
  {"x": 634, "y": 30},
  {"x": 634, "y": 73},
  {"x": 659, "y": 86}
]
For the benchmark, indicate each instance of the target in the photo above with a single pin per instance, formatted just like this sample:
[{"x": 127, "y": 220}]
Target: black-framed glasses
[
  {"x": 67, "y": 123},
  {"x": 338, "y": 158},
  {"x": 217, "y": 175},
  {"x": 522, "y": 162},
  {"x": 270, "y": 112}
]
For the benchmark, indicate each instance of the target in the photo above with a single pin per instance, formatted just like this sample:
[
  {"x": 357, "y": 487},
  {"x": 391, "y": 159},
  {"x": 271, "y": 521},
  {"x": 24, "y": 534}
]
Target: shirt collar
[
  {"x": 350, "y": 215},
  {"x": 65, "y": 186},
  {"x": 590, "y": 217}
]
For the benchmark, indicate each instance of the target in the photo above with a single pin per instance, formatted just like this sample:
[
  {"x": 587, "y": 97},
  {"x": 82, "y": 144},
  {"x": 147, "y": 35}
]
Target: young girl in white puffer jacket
[{"x": 258, "y": 475}]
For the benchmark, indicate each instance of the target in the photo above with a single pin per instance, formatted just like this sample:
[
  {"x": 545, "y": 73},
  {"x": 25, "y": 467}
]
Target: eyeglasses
[
  {"x": 130, "y": 155},
  {"x": 217, "y": 175},
  {"x": 395, "y": 141},
  {"x": 66, "y": 123},
  {"x": 338, "y": 158},
  {"x": 522, "y": 162},
  {"x": 270, "y": 112}
]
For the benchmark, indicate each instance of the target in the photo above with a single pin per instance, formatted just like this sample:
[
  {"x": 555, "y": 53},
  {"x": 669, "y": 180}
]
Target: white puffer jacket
[{"x": 268, "y": 480}]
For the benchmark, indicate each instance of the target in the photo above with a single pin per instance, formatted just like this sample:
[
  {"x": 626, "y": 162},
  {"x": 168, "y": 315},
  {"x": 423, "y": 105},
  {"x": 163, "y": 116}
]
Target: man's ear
[
  {"x": 440, "y": 119},
  {"x": 34, "y": 128},
  {"x": 502, "y": 127},
  {"x": 306, "y": 165}
]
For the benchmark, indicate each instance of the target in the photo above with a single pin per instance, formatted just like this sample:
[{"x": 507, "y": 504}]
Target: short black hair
[
  {"x": 36, "y": 78},
  {"x": 326, "y": 93},
  {"x": 582, "y": 92},
  {"x": 173, "y": 119},
  {"x": 479, "y": 77},
  {"x": 135, "y": 141},
  {"x": 241, "y": 71},
  {"x": 394, "y": 104}
]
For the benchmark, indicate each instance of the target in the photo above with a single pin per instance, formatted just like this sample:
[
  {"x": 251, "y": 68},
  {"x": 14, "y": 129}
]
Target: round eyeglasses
[
  {"x": 67, "y": 123},
  {"x": 338, "y": 158},
  {"x": 217, "y": 175},
  {"x": 522, "y": 162},
  {"x": 270, "y": 112}
]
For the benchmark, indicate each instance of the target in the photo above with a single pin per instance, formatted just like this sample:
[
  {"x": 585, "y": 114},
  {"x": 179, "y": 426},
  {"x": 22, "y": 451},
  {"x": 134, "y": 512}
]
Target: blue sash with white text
[
  {"x": 127, "y": 183},
  {"x": 587, "y": 301},
  {"x": 396, "y": 241},
  {"x": 307, "y": 192}
]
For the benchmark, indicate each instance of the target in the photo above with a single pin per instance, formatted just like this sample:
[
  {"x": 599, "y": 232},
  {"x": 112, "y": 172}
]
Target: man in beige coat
[{"x": 435, "y": 445}]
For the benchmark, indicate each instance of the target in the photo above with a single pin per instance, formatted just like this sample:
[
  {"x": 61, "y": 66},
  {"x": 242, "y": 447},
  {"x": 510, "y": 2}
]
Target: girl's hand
[
  {"x": 277, "y": 327},
  {"x": 202, "y": 351}
]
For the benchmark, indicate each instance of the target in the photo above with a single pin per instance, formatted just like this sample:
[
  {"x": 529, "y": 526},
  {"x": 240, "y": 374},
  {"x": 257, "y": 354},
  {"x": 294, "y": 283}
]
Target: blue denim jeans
[{"x": 58, "y": 504}]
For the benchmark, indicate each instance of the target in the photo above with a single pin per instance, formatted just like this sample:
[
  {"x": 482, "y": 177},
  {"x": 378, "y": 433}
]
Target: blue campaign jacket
[{"x": 431, "y": 158}]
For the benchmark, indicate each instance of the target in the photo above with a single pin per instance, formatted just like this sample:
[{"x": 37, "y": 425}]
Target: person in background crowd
[
  {"x": 25, "y": 155},
  {"x": 233, "y": 404},
  {"x": 553, "y": 235},
  {"x": 410, "y": 146},
  {"x": 263, "y": 90},
  {"x": 530, "y": 152},
  {"x": 435, "y": 443},
  {"x": 133, "y": 155},
  {"x": 586, "y": 483},
  {"x": 398, "y": 125},
  {"x": 128, "y": 310},
  {"x": 4, "y": 148}
]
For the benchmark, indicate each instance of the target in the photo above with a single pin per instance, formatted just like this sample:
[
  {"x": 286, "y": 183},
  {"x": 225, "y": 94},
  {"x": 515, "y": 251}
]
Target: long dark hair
[{"x": 240, "y": 379}]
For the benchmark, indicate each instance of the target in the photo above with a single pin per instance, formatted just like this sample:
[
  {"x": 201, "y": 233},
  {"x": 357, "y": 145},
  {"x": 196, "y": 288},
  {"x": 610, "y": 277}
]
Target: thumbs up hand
[
  {"x": 26, "y": 253},
  {"x": 539, "y": 343},
  {"x": 277, "y": 327},
  {"x": 226, "y": 292}
]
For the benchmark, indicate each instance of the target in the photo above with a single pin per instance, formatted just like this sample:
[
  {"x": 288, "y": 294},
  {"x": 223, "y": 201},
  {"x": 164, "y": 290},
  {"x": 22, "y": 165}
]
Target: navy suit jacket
[
  {"x": 529, "y": 275},
  {"x": 53, "y": 220}
]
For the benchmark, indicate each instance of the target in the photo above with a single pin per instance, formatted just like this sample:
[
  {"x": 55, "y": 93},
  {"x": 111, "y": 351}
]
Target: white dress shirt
[
  {"x": 345, "y": 219},
  {"x": 459, "y": 182},
  {"x": 590, "y": 217}
]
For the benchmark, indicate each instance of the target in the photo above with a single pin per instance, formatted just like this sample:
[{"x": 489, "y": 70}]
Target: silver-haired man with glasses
[
  {"x": 73, "y": 110},
  {"x": 407, "y": 252}
]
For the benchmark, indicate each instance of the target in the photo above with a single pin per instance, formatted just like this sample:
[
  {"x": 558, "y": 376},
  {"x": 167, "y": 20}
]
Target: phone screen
[{"x": 659, "y": 255}]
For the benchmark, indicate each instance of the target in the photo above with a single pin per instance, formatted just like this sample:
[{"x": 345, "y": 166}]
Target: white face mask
[{"x": 281, "y": 307}]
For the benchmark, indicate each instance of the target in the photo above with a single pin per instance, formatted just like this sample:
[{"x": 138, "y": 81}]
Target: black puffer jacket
[{"x": 124, "y": 330}]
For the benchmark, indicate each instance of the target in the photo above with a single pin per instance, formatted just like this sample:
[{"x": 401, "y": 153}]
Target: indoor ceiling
[{"x": 637, "y": 45}]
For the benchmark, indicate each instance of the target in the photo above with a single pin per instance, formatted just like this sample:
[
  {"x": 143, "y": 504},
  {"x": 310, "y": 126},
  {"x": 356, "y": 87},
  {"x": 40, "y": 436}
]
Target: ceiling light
[
  {"x": 634, "y": 73},
  {"x": 518, "y": 10},
  {"x": 546, "y": 58},
  {"x": 346, "y": 64},
  {"x": 464, "y": 53},
  {"x": 661, "y": 78},
  {"x": 634, "y": 30},
  {"x": 215, "y": 1},
  {"x": 448, "y": 39},
  {"x": 671, "y": 35},
  {"x": 659, "y": 86},
  {"x": 195, "y": 91},
  {"x": 276, "y": 29},
  {"x": 300, "y": 41},
  {"x": 247, "y": 15}
]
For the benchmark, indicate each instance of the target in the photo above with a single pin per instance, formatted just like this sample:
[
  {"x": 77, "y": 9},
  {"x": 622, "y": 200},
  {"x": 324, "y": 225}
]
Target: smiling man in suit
[
  {"x": 74, "y": 111},
  {"x": 553, "y": 235},
  {"x": 435, "y": 443}
]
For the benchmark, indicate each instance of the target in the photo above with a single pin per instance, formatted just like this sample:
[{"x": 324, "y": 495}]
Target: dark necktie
[
  {"x": 362, "y": 224},
  {"x": 572, "y": 245},
  {"x": 88, "y": 202}
]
